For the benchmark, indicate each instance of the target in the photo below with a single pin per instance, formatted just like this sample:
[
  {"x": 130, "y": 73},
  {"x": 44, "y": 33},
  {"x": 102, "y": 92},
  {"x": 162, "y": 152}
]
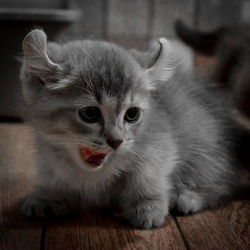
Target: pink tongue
[{"x": 92, "y": 156}]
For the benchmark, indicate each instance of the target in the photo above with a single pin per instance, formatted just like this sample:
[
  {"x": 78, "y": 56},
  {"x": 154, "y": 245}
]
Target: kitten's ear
[
  {"x": 147, "y": 59},
  {"x": 162, "y": 68},
  {"x": 38, "y": 63}
]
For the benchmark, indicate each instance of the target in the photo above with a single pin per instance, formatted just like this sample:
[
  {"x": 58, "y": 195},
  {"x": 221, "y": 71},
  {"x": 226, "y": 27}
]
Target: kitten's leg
[
  {"x": 189, "y": 202},
  {"x": 145, "y": 201},
  {"x": 51, "y": 197},
  {"x": 192, "y": 199},
  {"x": 45, "y": 202}
]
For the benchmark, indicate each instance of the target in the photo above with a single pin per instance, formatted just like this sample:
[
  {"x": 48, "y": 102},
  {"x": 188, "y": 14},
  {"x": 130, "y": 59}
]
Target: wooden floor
[{"x": 227, "y": 227}]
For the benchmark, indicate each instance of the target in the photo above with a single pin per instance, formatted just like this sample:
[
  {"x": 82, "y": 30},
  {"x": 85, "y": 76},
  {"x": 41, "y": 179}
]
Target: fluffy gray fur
[{"x": 176, "y": 155}]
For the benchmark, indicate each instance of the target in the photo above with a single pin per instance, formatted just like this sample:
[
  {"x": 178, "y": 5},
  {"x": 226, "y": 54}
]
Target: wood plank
[
  {"x": 16, "y": 175},
  {"x": 227, "y": 227},
  {"x": 97, "y": 230}
]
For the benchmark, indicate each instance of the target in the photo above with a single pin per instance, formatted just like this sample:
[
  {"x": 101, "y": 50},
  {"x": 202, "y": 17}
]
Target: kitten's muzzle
[{"x": 92, "y": 157}]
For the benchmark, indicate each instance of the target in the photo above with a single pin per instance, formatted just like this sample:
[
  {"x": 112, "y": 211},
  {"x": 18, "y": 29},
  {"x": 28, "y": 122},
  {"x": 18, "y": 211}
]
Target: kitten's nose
[{"x": 114, "y": 143}]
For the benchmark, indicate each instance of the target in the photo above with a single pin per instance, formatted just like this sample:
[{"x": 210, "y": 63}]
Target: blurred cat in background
[
  {"x": 123, "y": 127},
  {"x": 231, "y": 45}
]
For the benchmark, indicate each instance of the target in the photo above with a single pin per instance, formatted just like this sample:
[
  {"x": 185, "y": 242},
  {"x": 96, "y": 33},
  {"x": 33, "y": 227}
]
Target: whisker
[
  {"x": 136, "y": 153},
  {"x": 81, "y": 142},
  {"x": 88, "y": 82},
  {"x": 91, "y": 85},
  {"x": 87, "y": 90}
]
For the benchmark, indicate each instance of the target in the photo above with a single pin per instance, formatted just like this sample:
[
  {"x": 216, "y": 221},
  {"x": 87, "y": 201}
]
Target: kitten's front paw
[
  {"x": 189, "y": 202},
  {"x": 147, "y": 215},
  {"x": 46, "y": 208}
]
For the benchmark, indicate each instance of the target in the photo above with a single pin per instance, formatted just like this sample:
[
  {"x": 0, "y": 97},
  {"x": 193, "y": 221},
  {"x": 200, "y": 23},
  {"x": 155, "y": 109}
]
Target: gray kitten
[{"x": 123, "y": 127}]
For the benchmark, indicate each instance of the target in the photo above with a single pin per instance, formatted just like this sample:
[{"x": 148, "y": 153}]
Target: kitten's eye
[
  {"x": 90, "y": 114},
  {"x": 132, "y": 115}
]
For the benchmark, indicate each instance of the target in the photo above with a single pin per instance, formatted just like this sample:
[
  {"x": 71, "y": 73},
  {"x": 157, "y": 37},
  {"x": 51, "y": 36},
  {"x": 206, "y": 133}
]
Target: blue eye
[
  {"x": 90, "y": 114},
  {"x": 132, "y": 115}
]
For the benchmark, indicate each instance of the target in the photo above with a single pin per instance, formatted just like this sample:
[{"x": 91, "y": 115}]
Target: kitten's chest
[{"x": 98, "y": 195}]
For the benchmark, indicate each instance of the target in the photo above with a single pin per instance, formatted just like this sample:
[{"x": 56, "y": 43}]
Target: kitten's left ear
[
  {"x": 163, "y": 67},
  {"x": 38, "y": 63}
]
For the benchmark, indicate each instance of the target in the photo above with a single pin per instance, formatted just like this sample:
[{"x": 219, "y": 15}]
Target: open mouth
[{"x": 94, "y": 158}]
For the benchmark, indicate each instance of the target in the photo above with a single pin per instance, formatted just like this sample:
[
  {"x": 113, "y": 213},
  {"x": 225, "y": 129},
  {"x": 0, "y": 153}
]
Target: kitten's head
[{"x": 91, "y": 97}]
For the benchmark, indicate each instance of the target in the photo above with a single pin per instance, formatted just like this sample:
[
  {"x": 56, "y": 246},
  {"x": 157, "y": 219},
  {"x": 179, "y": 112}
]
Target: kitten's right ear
[
  {"x": 158, "y": 61},
  {"x": 37, "y": 61},
  {"x": 164, "y": 66},
  {"x": 147, "y": 58}
]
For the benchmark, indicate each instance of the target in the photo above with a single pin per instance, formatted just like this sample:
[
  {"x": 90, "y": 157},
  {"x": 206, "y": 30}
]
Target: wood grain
[
  {"x": 227, "y": 227},
  {"x": 98, "y": 230},
  {"x": 16, "y": 175}
]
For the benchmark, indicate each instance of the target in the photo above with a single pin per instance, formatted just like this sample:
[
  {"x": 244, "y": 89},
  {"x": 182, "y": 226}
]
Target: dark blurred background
[{"x": 131, "y": 23}]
